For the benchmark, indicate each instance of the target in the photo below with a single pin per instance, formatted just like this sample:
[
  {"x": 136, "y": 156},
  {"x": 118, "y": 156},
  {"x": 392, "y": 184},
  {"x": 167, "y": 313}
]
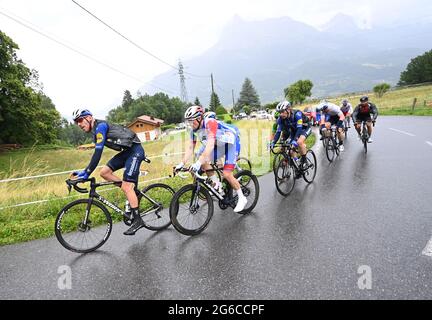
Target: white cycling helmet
[
  {"x": 78, "y": 113},
  {"x": 283, "y": 106},
  {"x": 193, "y": 113},
  {"x": 210, "y": 115}
]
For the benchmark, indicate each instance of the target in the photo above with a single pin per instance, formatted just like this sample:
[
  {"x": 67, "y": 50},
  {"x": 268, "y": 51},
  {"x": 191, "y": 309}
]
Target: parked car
[
  {"x": 263, "y": 115},
  {"x": 310, "y": 112},
  {"x": 240, "y": 116},
  {"x": 180, "y": 126}
]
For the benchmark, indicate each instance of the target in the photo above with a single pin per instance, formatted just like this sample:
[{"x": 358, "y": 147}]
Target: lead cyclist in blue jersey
[
  {"x": 131, "y": 155},
  {"x": 221, "y": 140},
  {"x": 297, "y": 125}
]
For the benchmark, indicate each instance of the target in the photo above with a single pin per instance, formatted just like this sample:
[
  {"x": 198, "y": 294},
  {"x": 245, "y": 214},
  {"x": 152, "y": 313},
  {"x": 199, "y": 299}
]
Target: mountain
[{"x": 276, "y": 52}]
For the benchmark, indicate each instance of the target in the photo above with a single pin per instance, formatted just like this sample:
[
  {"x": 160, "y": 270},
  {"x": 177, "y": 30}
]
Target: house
[{"x": 147, "y": 128}]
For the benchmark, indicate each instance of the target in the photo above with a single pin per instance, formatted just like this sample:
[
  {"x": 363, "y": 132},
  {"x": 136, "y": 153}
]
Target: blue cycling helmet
[{"x": 79, "y": 113}]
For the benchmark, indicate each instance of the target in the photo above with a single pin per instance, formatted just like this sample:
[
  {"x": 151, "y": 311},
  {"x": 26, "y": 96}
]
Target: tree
[
  {"x": 381, "y": 89},
  {"x": 419, "y": 70},
  {"x": 26, "y": 116},
  {"x": 197, "y": 102},
  {"x": 248, "y": 96},
  {"x": 127, "y": 100},
  {"x": 299, "y": 91},
  {"x": 247, "y": 110},
  {"x": 214, "y": 102},
  {"x": 221, "y": 110}
]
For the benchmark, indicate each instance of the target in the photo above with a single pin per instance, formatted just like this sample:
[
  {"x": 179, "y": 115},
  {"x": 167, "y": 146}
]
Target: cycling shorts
[{"x": 130, "y": 159}]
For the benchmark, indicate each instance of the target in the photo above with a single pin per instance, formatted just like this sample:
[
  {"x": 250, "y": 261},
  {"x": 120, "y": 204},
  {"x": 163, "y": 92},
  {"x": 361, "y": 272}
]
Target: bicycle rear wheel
[
  {"x": 156, "y": 215},
  {"x": 285, "y": 178},
  {"x": 330, "y": 149},
  {"x": 310, "y": 173},
  {"x": 78, "y": 235},
  {"x": 189, "y": 214}
]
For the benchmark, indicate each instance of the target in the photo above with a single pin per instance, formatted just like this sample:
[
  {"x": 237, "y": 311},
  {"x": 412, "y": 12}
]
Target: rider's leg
[
  {"x": 130, "y": 179},
  {"x": 107, "y": 174},
  {"x": 369, "y": 127},
  {"x": 116, "y": 163}
]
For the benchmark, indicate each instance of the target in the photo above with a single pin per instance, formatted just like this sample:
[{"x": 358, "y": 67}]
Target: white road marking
[
  {"x": 403, "y": 132},
  {"x": 427, "y": 251},
  {"x": 429, "y": 143}
]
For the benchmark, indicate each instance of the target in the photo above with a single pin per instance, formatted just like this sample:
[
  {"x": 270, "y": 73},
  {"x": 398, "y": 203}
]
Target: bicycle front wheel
[
  {"x": 285, "y": 178},
  {"x": 243, "y": 164},
  {"x": 154, "y": 206},
  {"x": 330, "y": 149},
  {"x": 189, "y": 212},
  {"x": 310, "y": 173},
  {"x": 82, "y": 233}
]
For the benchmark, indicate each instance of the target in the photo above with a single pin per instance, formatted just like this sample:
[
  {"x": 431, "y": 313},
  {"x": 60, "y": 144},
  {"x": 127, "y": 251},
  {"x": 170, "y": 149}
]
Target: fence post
[{"x": 414, "y": 104}]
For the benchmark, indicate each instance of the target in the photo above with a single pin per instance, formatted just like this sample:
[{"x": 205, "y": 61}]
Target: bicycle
[
  {"x": 87, "y": 222},
  {"x": 364, "y": 135},
  {"x": 289, "y": 169},
  {"x": 192, "y": 207},
  {"x": 331, "y": 144}
]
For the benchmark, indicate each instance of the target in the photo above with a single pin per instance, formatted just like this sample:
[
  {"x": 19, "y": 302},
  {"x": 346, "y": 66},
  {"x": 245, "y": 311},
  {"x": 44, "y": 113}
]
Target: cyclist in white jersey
[{"x": 221, "y": 141}]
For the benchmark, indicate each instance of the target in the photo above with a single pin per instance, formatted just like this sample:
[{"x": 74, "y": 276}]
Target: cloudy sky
[{"x": 169, "y": 29}]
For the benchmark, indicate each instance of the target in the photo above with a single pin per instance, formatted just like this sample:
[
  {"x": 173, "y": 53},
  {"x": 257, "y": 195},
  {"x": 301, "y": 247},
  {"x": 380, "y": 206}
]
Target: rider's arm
[
  {"x": 374, "y": 111},
  {"x": 355, "y": 113},
  {"x": 278, "y": 131},
  {"x": 100, "y": 136}
]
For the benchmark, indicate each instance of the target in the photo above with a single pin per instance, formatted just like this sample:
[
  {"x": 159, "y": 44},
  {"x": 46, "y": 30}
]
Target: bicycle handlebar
[
  {"x": 73, "y": 184},
  {"x": 178, "y": 173}
]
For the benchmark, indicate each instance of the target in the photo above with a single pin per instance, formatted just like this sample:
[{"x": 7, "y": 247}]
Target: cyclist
[
  {"x": 362, "y": 113},
  {"x": 332, "y": 115},
  {"x": 221, "y": 140},
  {"x": 212, "y": 115},
  {"x": 347, "y": 110},
  {"x": 297, "y": 125},
  {"x": 131, "y": 155}
]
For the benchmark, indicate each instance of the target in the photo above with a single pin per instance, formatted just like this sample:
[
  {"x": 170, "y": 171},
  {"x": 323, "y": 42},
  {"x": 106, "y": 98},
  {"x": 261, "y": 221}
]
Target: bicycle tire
[
  {"x": 288, "y": 173},
  {"x": 246, "y": 163},
  {"x": 59, "y": 233},
  {"x": 162, "y": 209},
  {"x": 175, "y": 207},
  {"x": 330, "y": 150},
  {"x": 306, "y": 177}
]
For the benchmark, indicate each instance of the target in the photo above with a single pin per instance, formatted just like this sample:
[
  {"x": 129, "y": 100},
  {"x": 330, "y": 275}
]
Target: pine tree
[
  {"x": 197, "y": 102},
  {"x": 214, "y": 102},
  {"x": 248, "y": 96},
  {"x": 127, "y": 100}
]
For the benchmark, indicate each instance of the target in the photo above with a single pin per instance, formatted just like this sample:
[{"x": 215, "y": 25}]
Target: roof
[{"x": 147, "y": 119}]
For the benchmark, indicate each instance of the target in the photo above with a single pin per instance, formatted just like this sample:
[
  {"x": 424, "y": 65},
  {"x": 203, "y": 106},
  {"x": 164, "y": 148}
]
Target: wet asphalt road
[{"x": 362, "y": 210}]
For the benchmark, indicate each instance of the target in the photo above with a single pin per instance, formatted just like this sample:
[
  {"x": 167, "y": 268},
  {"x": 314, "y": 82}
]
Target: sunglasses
[{"x": 79, "y": 120}]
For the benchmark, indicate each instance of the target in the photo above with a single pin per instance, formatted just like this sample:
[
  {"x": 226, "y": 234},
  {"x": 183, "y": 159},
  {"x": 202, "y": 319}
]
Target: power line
[
  {"x": 79, "y": 52},
  {"x": 134, "y": 43}
]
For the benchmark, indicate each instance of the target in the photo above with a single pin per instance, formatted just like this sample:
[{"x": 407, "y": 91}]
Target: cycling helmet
[
  {"x": 344, "y": 102},
  {"x": 193, "y": 113},
  {"x": 79, "y": 113},
  {"x": 323, "y": 106},
  {"x": 210, "y": 115},
  {"x": 364, "y": 99},
  {"x": 283, "y": 106}
]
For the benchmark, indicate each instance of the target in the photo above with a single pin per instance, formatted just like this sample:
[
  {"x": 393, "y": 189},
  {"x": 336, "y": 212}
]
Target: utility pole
[
  {"x": 183, "y": 90},
  {"x": 232, "y": 91},
  {"x": 212, "y": 83}
]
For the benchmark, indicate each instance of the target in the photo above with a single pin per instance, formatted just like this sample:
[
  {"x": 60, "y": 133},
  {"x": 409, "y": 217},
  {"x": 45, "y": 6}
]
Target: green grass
[{"x": 36, "y": 221}]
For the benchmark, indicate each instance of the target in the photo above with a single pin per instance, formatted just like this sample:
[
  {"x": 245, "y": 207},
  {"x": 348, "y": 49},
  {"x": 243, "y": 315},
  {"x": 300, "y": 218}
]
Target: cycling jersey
[
  {"x": 118, "y": 138},
  {"x": 363, "y": 113},
  {"x": 227, "y": 141},
  {"x": 297, "y": 124},
  {"x": 347, "y": 109}
]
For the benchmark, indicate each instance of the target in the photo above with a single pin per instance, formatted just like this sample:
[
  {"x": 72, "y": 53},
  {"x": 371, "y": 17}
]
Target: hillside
[{"x": 277, "y": 52}]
